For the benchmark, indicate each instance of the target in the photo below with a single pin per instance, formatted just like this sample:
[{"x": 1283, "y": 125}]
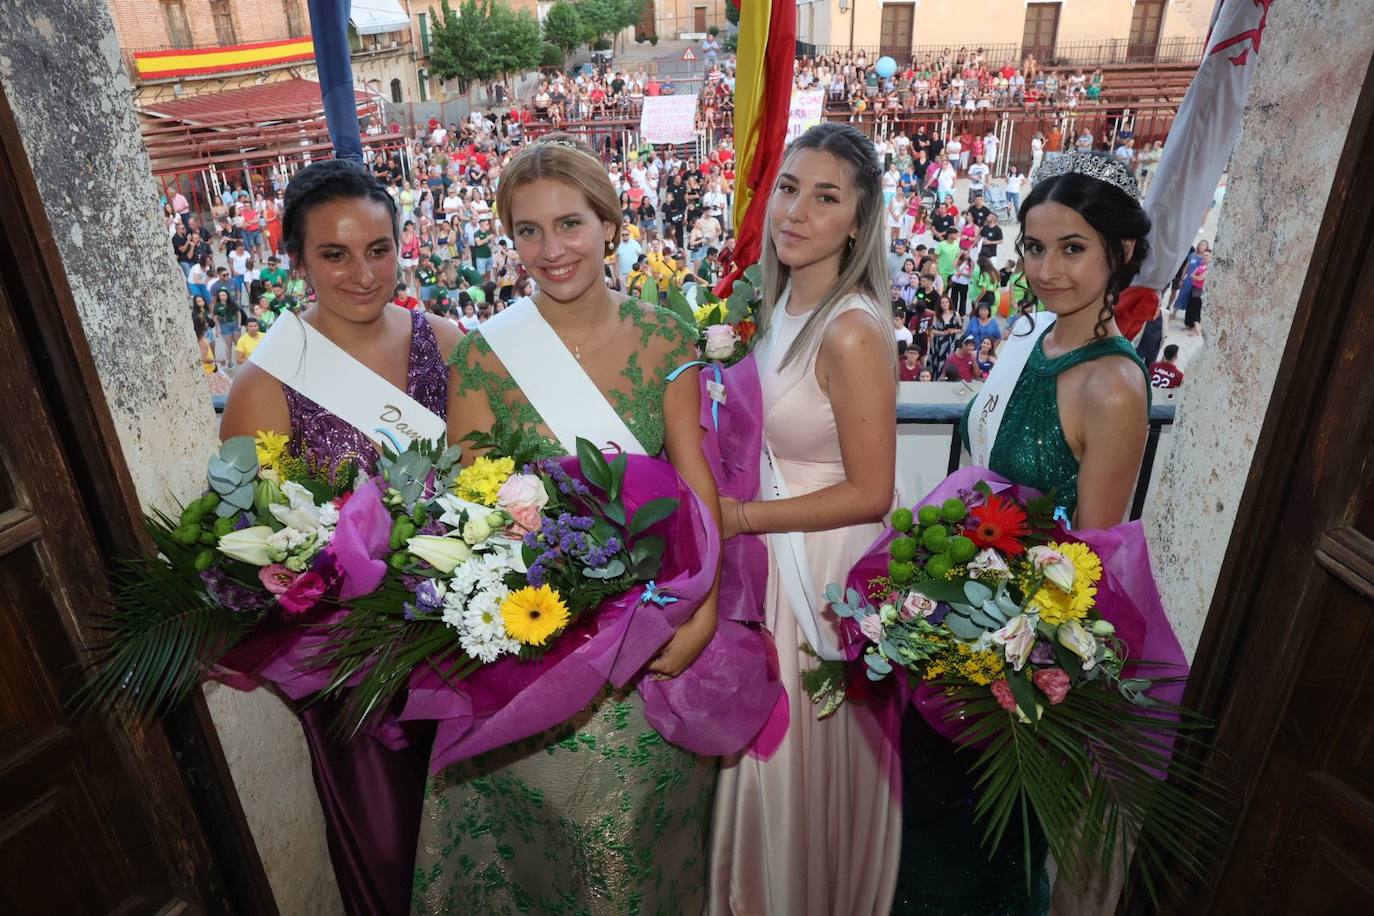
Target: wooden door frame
[
  {"x": 1235, "y": 677},
  {"x": 183, "y": 780}
]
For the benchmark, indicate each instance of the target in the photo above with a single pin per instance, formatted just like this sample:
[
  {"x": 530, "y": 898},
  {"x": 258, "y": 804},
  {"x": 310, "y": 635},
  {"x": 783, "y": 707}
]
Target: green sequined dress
[
  {"x": 600, "y": 815},
  {"x": 945, "y": 871}
]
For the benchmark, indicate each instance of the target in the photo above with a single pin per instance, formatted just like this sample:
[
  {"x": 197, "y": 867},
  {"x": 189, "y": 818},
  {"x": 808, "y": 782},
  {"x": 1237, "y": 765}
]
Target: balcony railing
[
  {"x": 929, "y": 446},
  {"x": 1090, "y": 53}
]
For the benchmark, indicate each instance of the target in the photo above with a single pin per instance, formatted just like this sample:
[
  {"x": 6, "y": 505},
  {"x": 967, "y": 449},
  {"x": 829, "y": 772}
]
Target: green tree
[
  {"x": 459, "y": 47},
  {"x": 607, "y": 18},
  {"x": 731, "y": 12},
  {"x": 514, "y": 37},
  {"x": 563, "y": 26}
]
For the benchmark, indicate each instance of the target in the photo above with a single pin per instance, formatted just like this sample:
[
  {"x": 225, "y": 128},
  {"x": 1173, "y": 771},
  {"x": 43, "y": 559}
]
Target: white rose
[
  {"x": 476, "y": 530},
  {"x": 988, "y": 562},
  {"x": 720, "y": 341}
]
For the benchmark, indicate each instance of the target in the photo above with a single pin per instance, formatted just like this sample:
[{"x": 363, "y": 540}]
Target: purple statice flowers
[{"x": 565, "y": 538}]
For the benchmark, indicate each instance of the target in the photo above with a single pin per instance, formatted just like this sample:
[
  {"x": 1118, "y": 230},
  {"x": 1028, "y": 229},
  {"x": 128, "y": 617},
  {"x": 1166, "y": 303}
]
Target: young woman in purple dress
[{"x": 339, "y": 228}]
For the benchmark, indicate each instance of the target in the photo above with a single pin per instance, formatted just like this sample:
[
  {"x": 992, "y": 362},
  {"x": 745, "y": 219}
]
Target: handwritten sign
[
  {"x": 804, "y": 113},
  {"x": 669, "y": 118}
]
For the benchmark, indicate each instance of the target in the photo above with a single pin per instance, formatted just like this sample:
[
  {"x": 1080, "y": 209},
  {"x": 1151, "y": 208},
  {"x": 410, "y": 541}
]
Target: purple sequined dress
[{"x": 371, "y": 795}]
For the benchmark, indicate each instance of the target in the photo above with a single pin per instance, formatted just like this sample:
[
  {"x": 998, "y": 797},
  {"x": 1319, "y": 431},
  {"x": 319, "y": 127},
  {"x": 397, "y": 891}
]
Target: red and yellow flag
[{"x": 763, "y": 95}]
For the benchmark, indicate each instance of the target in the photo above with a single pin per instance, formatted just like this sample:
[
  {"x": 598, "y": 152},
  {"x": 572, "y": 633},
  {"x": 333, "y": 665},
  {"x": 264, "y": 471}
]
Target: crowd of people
[{"x": 957, "y": 290}]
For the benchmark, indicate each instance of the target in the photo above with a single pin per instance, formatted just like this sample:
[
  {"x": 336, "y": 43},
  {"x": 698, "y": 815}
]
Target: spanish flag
[{"x": 763, "y": 95}]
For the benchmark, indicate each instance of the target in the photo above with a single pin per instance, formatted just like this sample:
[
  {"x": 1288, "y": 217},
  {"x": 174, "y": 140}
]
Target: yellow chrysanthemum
[
  {"x": 1057, "y": 606},
  {"x": 532, "y": 615},
  {"x": 270, "y": 447},
  {"x": 481, "y": 481}
]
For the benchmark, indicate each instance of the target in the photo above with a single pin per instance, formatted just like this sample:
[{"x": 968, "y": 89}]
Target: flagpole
[{"x": 334, "y": 65}]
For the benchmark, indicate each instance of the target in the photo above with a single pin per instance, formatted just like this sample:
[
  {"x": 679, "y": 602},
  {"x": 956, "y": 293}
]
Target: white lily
[
  {"x": 247, "y": 544},
  {"x": 1058, "y": 569},
  {"x": 300, "y": 512},
  {"x": 1080, "y": 642},
  {"x": 1017, "y": 639},
  {"x": 443, "y": 553}
]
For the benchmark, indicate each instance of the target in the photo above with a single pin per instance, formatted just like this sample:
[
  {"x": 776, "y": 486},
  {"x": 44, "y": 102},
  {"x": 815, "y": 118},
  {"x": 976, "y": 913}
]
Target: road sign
[{"x": 689, "y": 54}]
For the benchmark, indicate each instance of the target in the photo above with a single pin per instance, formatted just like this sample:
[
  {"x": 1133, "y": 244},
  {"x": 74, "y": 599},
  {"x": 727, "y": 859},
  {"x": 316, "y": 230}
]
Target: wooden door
[
  {"x": 895, "y": 36},
  {"x": 96, "y": 816},
  {"x": 1146, "y": 18},
  {"x": 1041, "y": 32},
  {"x": 699, "y": 19},
  {"x": 1285, "y": 660}
]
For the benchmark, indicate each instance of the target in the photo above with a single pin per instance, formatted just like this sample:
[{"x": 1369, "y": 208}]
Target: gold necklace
[{"x": 577, "y": 347}]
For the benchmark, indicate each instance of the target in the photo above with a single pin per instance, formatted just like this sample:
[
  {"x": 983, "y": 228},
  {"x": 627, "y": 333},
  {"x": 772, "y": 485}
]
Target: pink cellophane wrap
[
  {"x": 285, "y": 654},
  {"x": 1126, "y": 596},
  {"x": 733, "y": 447},
  {"x": 714, "y": 707}
]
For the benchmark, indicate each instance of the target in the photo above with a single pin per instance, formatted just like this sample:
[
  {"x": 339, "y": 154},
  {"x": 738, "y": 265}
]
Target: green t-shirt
[
  {"x": 947, "y": 252},
  {"x": 426, "y": 275},
  {"x": 470, "y": 275},
  {"x": 481, "y": 244},
  {"x": 272, "y": 277},
  {"x": 477, "y": 294}
]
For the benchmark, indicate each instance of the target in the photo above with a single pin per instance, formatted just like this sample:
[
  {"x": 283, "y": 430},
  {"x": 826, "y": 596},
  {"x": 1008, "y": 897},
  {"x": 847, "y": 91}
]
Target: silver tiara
[
  {"x": 566, "y": 144},
  {"x": 1094, "y": 165}
]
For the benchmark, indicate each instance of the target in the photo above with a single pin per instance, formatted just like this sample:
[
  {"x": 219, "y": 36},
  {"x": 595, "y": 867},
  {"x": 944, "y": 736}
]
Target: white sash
[
  {"x": 990, "y": 404},
  {"x": 554, "y": 383},
  {"x": 298, "y": 355},
  {"x": 789, "y": 547}
]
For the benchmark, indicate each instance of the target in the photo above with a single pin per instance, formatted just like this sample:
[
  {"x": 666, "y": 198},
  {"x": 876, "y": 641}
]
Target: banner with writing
[
  {"x": 804, "y": 113},
  {"x": 669, "y": 118}
]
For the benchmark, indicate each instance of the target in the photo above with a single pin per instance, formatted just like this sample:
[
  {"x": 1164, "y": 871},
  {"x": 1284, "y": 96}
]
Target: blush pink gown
[{"x": 815, "y": 830}]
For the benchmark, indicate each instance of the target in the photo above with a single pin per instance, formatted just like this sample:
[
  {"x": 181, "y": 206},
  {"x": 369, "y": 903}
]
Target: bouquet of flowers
[
  {"x": 728, "y": 326},
  {"x": 425, "y": 574},
  {"x": 1017, "y": 637}
]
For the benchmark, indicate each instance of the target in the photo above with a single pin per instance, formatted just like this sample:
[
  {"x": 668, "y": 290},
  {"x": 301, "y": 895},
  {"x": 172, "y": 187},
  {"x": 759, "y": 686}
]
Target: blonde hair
[
  {"x": 863, "y": 267},
  {"x": 559, "y": 156}
]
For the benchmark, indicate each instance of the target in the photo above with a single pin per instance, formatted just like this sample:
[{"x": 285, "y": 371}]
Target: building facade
[
  {"x": 179, "y": 48},
  {"x": 1074, "y": 31}
]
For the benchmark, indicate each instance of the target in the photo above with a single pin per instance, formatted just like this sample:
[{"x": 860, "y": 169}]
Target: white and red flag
[{"x": 1197, "y": 151}]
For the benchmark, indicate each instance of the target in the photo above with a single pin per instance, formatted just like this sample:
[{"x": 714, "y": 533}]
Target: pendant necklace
[{"x": 577, "y": 347}]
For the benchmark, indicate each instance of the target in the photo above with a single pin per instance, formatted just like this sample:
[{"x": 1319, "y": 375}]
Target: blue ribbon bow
[
  {"x": 705, "y": 364},
  {"x": 1062, "y": 515},
  {"x": 652, "y": 595}
]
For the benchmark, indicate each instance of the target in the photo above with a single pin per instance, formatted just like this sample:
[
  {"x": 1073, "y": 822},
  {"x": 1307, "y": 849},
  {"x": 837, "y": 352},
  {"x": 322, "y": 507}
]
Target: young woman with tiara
[
  {"x": 1065, "y": 410},
  {"x": 599, "y": 815},
  {"x": 339, "y": 228},
  {"x": 814, "y": 829}
]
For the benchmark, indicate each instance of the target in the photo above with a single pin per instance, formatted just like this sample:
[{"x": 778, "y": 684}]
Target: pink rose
[
  {"x": 1053, "y": 683},
  {"x": 525, "y": 519},
  {"x": 303, "y": 593},
  {"x": 872, "y": 627},
  {"x": 720, "y": 341},
  {"x": 1002, "y": 691},
  {"x": 276, "y": 578},
  {"x": 917, "y": 605},
  {"x": 522, "y": 491}
]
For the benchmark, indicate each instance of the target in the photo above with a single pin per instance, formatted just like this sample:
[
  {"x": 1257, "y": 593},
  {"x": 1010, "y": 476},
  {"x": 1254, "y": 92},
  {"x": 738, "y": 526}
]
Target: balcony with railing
[{"x": 1086, "y": 53}]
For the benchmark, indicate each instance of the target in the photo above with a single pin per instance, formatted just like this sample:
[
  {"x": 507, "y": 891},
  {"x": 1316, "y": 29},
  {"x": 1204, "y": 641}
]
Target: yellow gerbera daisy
[
  {"x": 481, "y": 481},
  {"x": 1057, "y": 606},
  {"x": 532, "y": 615},
  {"x": 270, "y": 447}
]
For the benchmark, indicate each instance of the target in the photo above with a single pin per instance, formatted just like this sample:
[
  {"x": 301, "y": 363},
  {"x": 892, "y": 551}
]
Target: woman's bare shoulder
[{"x": 256, "y": 403}]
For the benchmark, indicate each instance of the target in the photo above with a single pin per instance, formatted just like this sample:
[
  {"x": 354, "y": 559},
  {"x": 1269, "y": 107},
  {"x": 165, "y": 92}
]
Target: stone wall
[
  {"x": 61, "y": 73},
  {"x": 1313, "y": 63}
]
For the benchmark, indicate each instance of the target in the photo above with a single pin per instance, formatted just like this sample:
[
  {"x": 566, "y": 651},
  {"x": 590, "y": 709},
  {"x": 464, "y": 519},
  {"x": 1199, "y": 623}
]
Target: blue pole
[{"x": 329, "y": 28}]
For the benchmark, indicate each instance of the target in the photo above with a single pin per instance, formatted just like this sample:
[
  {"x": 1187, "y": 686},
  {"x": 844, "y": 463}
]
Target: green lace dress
[
  {"x": 599, "y": 815},
  {"x": 945, "y": 870}
]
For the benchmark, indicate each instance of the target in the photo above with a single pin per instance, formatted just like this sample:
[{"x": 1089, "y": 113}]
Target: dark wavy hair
[
  {"x": 322, "y": 182},
  {"x": 1116, "y": 217}
]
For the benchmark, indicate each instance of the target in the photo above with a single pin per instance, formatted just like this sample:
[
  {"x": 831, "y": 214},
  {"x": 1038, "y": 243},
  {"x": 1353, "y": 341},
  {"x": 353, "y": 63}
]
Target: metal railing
[{"x": 1090, "y": 53}]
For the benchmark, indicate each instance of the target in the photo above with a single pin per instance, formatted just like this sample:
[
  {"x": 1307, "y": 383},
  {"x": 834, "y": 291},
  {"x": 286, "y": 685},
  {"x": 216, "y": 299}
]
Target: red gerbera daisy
[{"x": 998, "y": 524}]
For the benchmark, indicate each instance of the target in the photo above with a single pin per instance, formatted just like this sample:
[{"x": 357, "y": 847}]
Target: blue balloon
[{"x": 885, "y": 67}]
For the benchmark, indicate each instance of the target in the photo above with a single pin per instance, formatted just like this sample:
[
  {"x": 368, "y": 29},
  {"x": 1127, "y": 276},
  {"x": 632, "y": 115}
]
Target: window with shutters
[
  {"x": 295, "y": 18},
  {"x": 1146, "y": 18},
  {"x": 1042, "y": 30},
  {"x": 895, "y": 36},
  {"x": 424, "y": 33},
  {"x": 178, "y": 28},
  {"x": 223, "y": 14}
]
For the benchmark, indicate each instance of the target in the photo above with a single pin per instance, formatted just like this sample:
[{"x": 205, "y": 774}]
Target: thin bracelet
[{"x": 743, "y": 519}]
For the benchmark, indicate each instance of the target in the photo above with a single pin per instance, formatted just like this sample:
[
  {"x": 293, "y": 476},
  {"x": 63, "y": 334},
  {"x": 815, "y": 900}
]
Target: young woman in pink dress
[{"x": 815, "y": 829}]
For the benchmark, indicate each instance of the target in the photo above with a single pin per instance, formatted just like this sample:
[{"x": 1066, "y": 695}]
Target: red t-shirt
[
  {"x": 967, "y": 366},
  {"x": 911, "y": 373},
  {"x": 1165, "y": 375},
  {"x": 407, "y": 302}
]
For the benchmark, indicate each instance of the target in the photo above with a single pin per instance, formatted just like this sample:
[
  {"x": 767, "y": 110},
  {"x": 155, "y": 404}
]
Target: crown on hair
[
  {"x": 566, "y": 144},
  {"x": 1094, "y": 165}
]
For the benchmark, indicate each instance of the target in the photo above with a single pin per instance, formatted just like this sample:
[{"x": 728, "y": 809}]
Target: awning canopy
[{"x": 374, "y": 17}]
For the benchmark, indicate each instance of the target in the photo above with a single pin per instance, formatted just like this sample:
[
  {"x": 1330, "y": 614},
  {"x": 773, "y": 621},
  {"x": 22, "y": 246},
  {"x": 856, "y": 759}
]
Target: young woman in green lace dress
[
  {"x": 601, "y": 815},
  {"x": 1075, "y": 424}
]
